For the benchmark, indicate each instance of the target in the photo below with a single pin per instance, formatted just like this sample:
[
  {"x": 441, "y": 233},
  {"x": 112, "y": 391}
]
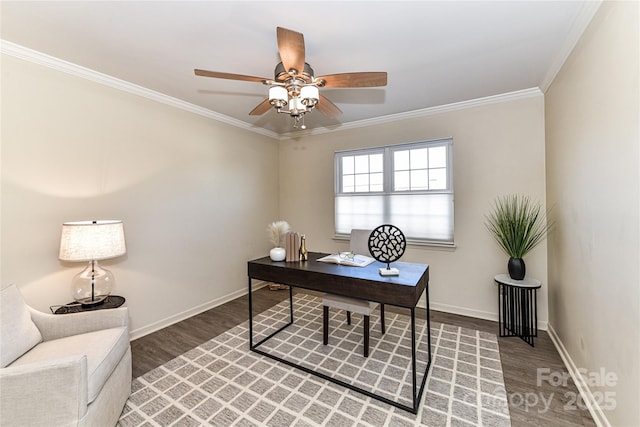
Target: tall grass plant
[{"x": 518, "y": 224}]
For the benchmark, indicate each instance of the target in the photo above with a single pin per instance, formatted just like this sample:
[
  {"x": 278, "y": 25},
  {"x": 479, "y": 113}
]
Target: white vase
[{"x": 278, "y": 254}]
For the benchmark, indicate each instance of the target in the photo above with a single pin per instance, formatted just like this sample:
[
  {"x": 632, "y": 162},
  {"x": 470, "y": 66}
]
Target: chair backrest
[{"x": 359, "y": 242}]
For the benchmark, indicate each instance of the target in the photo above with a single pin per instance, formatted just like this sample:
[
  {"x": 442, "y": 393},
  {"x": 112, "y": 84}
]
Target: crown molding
[
  {"x": 424, "y": 112},
  {"x": 579, "y": 25},
  {"x": 45, "y": 60},
  {"x": 30, "y": 55}
]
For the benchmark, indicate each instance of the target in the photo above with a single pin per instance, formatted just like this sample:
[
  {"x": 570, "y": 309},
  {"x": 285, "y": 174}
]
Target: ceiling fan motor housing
[{"x": 282, "y": 75}]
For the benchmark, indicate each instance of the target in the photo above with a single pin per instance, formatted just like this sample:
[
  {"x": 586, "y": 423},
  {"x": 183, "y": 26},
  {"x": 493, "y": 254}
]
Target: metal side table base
[{"x": 518, "y": 307}]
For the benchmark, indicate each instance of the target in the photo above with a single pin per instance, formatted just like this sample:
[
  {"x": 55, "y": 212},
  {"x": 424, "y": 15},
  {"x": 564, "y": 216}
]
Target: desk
[
  {"x": 518, "y": 307},
  {"x": 364, "y": 283}
]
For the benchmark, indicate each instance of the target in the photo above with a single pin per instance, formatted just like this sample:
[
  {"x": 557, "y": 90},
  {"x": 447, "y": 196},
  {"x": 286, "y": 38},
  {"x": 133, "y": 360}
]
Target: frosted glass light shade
[
  {"x": 296, "y": 106},
  {"x": 278, "y": 96},
  {"x": 309, "y": 95}
]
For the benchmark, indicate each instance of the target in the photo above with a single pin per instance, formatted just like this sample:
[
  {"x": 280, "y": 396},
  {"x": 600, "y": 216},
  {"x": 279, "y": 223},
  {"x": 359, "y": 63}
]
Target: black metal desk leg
[
  {"x": 414, "y": 380},
  {"x": 428, "y": 326},
  {"x": 250, "y": 317},
  {"x": 291, "y": 304}
]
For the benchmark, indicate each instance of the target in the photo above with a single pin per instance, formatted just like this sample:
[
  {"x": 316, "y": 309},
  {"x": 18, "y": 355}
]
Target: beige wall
[
  {"x": 498, "y": 148},
  {"x": 195, "y": 195},
  {"x": 592, "y": 120}
]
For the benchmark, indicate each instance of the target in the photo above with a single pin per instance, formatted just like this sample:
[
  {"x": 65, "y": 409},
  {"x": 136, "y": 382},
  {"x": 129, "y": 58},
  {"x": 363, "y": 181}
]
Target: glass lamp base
[{"x": 92, "y": 285}]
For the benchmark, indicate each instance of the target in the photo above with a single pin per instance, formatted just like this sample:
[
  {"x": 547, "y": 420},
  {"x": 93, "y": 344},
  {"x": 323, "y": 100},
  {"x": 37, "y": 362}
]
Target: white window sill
[{"x": 413, "y": 243}]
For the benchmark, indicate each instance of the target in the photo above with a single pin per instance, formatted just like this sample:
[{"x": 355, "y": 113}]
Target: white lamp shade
[{"x": 92, "y": 240}]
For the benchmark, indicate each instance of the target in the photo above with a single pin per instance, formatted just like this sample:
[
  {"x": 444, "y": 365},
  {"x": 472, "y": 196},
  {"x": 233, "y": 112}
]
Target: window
[{"x": 408, "y": 185}]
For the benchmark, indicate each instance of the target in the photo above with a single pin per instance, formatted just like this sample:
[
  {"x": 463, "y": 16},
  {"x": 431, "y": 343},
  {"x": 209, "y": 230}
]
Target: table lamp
[{"x": 92, "y": 241}]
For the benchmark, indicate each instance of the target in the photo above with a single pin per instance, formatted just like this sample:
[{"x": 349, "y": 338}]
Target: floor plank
[{"x": 532, "y": 400}]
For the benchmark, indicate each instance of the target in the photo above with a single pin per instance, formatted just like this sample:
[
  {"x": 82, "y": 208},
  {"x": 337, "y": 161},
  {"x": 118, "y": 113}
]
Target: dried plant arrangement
[{"x": 276, "y": 232}]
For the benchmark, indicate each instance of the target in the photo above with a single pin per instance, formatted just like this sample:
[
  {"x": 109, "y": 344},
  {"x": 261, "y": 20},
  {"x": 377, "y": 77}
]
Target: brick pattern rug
[{"x": 222, "y": 383}]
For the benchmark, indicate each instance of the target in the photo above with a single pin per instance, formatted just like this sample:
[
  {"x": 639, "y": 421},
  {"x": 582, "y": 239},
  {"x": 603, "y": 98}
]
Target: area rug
[{"x": 223, "y": 383}]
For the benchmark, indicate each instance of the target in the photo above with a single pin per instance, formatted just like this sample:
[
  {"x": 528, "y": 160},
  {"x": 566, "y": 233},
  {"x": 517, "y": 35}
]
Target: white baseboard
[
  {"x": 588, "y": 398},
  {"x": 146, "y": 330},
  {"x": 156, "y": 326},
  {"x": 478, "y": 314},
  {"x": 463, "y": 311}
]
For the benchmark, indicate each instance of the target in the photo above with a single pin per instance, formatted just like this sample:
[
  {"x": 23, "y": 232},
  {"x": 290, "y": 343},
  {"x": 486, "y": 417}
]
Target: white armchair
[{"x": 71, "y": 369}]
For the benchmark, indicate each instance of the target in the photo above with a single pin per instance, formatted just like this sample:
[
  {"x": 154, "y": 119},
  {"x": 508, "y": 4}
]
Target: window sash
[
  {"x": 424, "y": 214},
  {"x": 430, "y": 169}
]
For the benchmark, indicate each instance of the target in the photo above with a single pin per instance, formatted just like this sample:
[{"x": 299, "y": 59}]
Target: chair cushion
[
  {"x": 359, "y": 242},
  {"x": 18, "y": 333},
  {"x": 350, "y": 304},
  {"x": 103, "y": 349}
]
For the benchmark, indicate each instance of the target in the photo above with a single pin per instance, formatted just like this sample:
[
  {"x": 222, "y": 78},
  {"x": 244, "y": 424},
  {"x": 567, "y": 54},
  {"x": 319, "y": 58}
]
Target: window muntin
[
  {"x": 420, "y": 169},
  {"x": 408, "y": 185},
  {"x": 362, "y": 173}
]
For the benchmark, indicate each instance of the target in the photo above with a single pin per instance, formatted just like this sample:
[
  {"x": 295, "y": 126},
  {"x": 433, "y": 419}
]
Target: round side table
[
  {"x": 112, "y": 301},
  {"x": 518, "y": 307}
]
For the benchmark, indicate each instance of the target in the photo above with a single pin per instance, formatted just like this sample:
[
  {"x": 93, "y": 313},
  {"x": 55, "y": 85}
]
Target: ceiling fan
[{"x": 294, "y": 88}]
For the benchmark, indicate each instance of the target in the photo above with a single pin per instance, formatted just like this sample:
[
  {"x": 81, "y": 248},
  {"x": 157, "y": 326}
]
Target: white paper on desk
[{"x": 356, "y": 261}]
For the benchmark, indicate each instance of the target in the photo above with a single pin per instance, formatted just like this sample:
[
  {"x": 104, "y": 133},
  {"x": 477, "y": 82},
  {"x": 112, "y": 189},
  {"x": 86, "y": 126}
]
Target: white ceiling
[{"x": 435, "y": 52}]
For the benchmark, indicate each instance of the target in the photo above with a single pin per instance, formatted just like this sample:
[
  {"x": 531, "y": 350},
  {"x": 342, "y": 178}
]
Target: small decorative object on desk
[
  {"x": 276, "y": 232},
  {"x": 304, "y": 256},
  {"x": 292, "y": 246},
  {"x": 347, "y": 258},
  {"x": 387, "y": 244}
]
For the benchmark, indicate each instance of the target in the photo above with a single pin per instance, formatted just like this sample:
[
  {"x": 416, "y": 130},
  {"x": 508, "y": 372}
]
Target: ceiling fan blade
[
  {"x": 364, "y": 79},
  {"x": 327, "y": 107},
  {"x": 261, "y": 108},
  {"x": 291, "y": 48},
  {"x": 229, "y": 76}
]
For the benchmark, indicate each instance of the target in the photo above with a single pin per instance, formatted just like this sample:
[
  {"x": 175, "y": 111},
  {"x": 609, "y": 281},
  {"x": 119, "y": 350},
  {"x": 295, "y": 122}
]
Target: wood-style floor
[{"x": 532, "y": 401}]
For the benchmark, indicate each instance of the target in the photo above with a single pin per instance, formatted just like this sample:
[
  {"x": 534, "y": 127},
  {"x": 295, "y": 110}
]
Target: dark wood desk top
[{"x": 356, "y": 282}]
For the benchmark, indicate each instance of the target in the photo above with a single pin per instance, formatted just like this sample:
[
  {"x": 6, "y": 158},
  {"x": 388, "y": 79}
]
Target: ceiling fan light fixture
[
  {"x": 309, "y": 95},
  {"x": 278, "y": 96},
  {"x": 294, "y": 89}
]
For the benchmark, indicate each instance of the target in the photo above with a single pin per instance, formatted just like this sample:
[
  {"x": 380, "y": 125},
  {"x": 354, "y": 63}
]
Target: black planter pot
[{"x": 516, "y": 268}]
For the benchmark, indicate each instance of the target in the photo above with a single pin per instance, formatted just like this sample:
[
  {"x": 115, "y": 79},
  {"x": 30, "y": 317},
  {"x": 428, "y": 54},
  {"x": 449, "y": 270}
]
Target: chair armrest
[
  {"x": 39, "y": 393},
  {"x": 54, "y": 326}
]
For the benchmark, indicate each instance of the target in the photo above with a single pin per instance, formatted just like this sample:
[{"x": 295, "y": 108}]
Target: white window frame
[{"x": 416, "y": 230}]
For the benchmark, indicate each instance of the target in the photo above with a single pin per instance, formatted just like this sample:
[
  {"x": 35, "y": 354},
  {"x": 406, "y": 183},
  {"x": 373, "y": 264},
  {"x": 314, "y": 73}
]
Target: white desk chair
[{"x": 359, "y": 244}]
